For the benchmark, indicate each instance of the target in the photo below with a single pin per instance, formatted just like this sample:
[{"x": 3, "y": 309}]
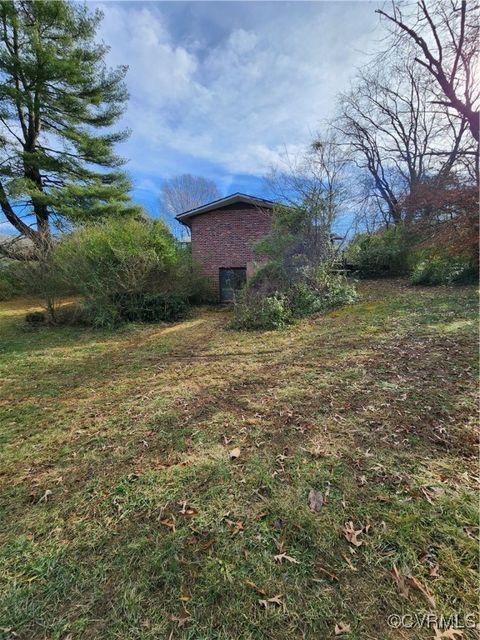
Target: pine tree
[{"x": 58, "y": 104}]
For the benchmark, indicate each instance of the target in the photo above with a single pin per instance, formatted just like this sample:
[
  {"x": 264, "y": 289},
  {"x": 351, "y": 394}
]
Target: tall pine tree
[{"x": 58, "y": 103}]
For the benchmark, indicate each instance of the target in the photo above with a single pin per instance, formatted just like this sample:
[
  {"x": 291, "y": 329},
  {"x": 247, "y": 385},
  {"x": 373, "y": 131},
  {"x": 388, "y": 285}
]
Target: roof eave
[{"x": 223, "y": 202}]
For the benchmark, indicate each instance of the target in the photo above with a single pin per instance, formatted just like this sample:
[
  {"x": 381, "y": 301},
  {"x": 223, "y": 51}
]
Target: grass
[{"x": 122, "y": 515}]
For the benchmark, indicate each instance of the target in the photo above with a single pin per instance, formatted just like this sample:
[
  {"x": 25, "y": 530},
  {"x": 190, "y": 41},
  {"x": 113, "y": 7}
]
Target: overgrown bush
[
  {"x": 303, "y": 300},
  {"x": 116, "y": 260},
  {"x": 151, "y": 307},
  {"x": 185, "y": 279},
  {"x": 311, "y": 290},
  {"x": 320, "y": 289},
  {"x": 9, "y": 284},
  {"x": 383, "y": 254},
  {"x": 431, "y": 269},
  {"x": 255, "y": 311}
]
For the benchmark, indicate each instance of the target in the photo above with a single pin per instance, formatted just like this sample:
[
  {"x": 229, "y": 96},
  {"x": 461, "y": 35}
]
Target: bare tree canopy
[
  {"x": 186, "y": 192},
  {"x": 401, "y": 139},
  {"x": 315, "y": 180},
  {"x": 446, "y": 38}
]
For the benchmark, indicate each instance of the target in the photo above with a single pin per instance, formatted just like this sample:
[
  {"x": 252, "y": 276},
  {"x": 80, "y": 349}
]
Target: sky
[{"x": 224, "y": 89}]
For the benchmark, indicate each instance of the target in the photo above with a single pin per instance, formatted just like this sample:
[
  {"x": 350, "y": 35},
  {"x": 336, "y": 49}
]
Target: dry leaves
[
  {"x": 276, "y": 600},
  {"x": 283, "y": 556},
  {"x": 235, "y": 453},
  {"x": 253, "y": 586},
  {"x": 349, "y": 562},
  {"x": 186, "y": 511},
  {"x": 341, "y": 629},
  {"x": 405, "y": 582},
  {"x": 235, "y": 527},
  {"x": 432, "y": 493},
  {"x": 351, "y": 534},
  {"x": 182, "y": 619},
  {"x": 415, "y": 582},
  {"x": 169, "y": 522},
  {"x": 401, "y": 582},
  {"x": 315, "y": 500}
]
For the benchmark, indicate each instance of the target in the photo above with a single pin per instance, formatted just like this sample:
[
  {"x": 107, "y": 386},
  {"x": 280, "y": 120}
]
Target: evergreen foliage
[{"x": 58, "y": 104}]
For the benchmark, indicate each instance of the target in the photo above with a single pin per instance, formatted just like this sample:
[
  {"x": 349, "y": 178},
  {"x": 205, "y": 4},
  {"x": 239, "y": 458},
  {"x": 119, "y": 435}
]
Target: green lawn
[{"x": 123, "y": 516}]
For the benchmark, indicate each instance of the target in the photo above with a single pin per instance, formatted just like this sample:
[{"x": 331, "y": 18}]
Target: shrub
[
  {"x": 320, "y": 289},
  {"x": 254, "y": 311},
  {"x": 35, "y": 318},
  {"x": 314, "y": 290},
  {"x": 337, "y": 291},
  {"x": 115, "y": 261},
  {"x": 381, "y": 255},
  {"x": 151, "y": 307},
  {"x": 431, "y": 269},
  {"x": 116, "y": 255},
  {"x": 303, "y": 300},
  {"x": 185, "y": 279},
  {"x": 9, "y": 284},
  {"x": 270, "y": 277}
]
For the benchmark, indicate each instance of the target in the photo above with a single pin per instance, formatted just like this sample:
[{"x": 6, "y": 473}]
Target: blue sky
[{"x": 223, "y": 89}]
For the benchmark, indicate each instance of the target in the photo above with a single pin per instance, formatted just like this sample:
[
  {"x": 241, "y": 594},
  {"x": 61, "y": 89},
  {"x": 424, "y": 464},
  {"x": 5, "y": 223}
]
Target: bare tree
[
  {"x": 184, "y": 192},
  {"x": 446, "y": 38},
  {"x": 315, "y": 180},
  {"x": 399, "y": 137},
  {"x": 311, "y": 191}
]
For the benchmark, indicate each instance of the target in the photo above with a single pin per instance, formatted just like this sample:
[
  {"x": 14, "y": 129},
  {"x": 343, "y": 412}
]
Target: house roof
[{"x": 224, "y": 202}]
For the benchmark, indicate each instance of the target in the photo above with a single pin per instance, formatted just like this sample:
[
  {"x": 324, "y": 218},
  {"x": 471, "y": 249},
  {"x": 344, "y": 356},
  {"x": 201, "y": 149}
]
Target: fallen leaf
[
  {"x": 275, "y": 600},
  {"x": 253, "y": 586},
  {"x": 351, "y": 534},
  {"x": 169, "y": 523},
  {"x": 235, "y": 527},
  {"x": 315, "y": 500},
  {"x": 401, "y": 581},
  {"x": 330, "y": 576},
  {"x": 205, "y": 546},
  {"x": 182, "y": 619},
  {"x": 433, "y": 573},
  {"x": 424, "y": 589},
  {"x": 341, "y": 628},
  {"x": 186, "y": 511},
  {"x": 283, "y": 556},
  {"x": 235, "y": 453},
  {"x": 349, "y": 562}
]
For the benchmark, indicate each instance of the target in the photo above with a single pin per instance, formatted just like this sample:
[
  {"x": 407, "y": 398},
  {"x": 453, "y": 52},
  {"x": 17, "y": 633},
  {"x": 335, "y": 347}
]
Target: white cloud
[{"x": 239, "y": 103}]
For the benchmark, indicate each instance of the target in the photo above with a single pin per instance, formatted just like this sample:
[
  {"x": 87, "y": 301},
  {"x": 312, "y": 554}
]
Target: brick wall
[{"x": 224, "y": 238}]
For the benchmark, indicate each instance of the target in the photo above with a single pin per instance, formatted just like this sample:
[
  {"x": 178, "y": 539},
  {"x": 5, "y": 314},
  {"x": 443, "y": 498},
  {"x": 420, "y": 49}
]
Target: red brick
[{"x": 225, "y": 237}]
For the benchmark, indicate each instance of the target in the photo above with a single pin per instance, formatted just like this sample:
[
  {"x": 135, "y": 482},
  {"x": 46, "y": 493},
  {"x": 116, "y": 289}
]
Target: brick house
[{"x": 223, "y": 233}]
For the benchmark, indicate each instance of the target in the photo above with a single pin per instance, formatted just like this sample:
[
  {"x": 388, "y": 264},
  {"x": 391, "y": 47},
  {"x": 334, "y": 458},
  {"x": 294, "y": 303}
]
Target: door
[{"x": 231, "y": 280}]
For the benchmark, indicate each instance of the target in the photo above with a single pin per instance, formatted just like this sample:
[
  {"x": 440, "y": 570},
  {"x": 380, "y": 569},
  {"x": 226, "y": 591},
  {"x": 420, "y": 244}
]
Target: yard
[{"x": 124, "y": 515}]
